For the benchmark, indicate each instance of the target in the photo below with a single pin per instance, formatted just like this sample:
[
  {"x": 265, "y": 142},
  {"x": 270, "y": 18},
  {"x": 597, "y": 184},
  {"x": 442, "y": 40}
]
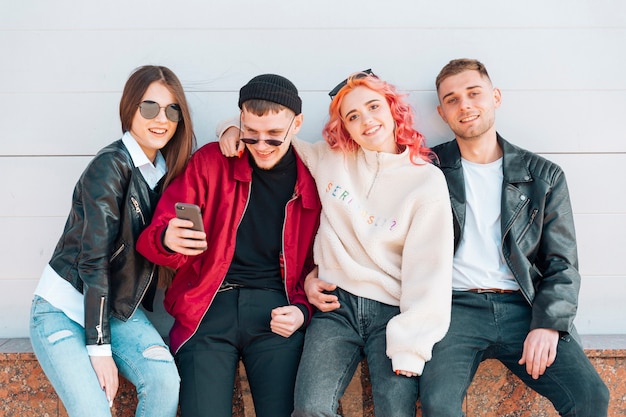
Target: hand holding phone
[
  {"x": 178, "y": 238},
  {"x": 192, "y": 213}
]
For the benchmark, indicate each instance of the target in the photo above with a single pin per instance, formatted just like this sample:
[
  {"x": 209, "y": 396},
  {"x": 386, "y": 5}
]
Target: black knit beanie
[{"x": 274, "y": 88}]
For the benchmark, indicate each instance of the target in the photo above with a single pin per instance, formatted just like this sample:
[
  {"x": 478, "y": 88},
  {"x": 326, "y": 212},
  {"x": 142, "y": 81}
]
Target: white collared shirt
[{"x": 152, "y": 173}]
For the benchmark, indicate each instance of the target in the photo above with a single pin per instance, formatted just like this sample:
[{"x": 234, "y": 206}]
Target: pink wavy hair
[{"x": 337, "y": 136}]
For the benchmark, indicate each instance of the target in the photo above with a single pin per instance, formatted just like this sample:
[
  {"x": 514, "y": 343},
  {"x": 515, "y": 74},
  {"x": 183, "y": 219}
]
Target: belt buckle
[
  {"x": 485, "y": 291},
  {"x": 226, "y": 286}
]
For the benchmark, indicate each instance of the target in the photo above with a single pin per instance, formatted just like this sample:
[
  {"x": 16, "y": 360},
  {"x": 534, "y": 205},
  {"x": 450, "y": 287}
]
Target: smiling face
[
  {"x": 468, "y": 103},
  {"x": 279, "y": 126},
  {"x": 367, "y": 117},
  {"x": 153, "y": 134}
]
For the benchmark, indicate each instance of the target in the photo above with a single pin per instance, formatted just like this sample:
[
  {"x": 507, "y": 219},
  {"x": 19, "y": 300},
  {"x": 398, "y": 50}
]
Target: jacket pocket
[
  {"x": 531, "y": 220},
  {"x": 117, "y": 252},
  {"x": 119, "y": 258}
]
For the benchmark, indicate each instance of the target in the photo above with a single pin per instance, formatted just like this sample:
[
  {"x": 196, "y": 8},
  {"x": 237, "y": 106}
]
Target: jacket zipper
[
  {"x": 121, "y": 248},
  {"x": 138, "y": 209},
  {"x": 530, "y": 223},
  {"x": 508, "y": 229},
  {"x": 506, "y": 232},
  {"x": 117, "y": 252},
  {"x": 375, "y": 175},
  {"x": 282, "y": 257},
  {"x": 145, "y": 289},
  {"x": 213, "y": 297},
  {"x": 100, "y": 339}
]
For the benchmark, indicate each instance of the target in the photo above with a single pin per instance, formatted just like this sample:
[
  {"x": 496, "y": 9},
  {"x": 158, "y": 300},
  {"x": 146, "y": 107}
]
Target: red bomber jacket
[{"x": 221, "y": 187}]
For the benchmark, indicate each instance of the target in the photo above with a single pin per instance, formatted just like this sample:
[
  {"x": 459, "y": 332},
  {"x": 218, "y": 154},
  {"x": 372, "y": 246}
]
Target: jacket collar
[
  {"x": 305, "y": 185},
  {"x": 514, "y": 164},
  {"x": 515, "y": 170},
  {"x": 240, "y": 168}
]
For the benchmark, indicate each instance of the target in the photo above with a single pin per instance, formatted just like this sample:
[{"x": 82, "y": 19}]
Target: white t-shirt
[{"x": 478, "y": 261}]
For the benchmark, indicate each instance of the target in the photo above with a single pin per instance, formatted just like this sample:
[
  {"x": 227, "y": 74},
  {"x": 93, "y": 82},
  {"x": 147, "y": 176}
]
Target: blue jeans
[
  {"x": 139, "y": 353},
  {"x": 495, "y": 326},
  {"x": 334, "y": 344}
]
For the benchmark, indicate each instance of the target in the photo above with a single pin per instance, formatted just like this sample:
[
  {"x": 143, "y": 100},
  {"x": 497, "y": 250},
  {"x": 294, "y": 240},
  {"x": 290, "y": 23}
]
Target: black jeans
[
  {"x": 495, "y": 326},
  {"x": 237, "y": 326}
]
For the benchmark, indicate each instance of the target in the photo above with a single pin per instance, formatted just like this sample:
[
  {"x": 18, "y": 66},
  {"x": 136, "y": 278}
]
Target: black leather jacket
[
  {"x": 538, "y": 238},
  {"x": 111, "y": 205}
]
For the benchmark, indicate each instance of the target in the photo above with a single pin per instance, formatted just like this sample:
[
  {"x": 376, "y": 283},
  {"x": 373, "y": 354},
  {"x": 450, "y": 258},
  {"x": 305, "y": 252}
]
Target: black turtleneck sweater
[{"x": 259, "y": 236}]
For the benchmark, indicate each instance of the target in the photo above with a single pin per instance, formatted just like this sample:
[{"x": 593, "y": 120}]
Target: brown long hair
[{"x": 180, "y": 147}]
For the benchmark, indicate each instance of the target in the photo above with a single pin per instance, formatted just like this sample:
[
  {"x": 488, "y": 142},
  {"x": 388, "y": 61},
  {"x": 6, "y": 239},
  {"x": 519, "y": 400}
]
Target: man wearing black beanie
[{"x": 238, "y": 291}]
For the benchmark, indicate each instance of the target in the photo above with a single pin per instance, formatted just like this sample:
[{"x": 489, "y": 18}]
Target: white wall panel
[
  {"x": 26, "y": 246},
  {"x": 100, "y": 60},
  {"x": 59, "y": 123},
  {"x": 601, "y": 305},
  {"x": 41, "y": 187},
  {"x": 560, "y": 65},
  {"x": 602, "y": 245},
  {"x": 121, "y": 14},
  {"x": 15, "y": 300}
]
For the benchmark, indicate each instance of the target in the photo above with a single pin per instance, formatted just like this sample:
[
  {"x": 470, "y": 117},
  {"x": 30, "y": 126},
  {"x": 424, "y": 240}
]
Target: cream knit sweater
[{"x": 386, "y": 234}]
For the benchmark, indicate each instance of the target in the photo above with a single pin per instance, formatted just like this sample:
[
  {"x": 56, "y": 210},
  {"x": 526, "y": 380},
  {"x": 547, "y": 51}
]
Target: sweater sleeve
[
  {"x": 425, "y": 301},
  {"x": 224, "y": 125},
  {"x": 311, "y": 153}
]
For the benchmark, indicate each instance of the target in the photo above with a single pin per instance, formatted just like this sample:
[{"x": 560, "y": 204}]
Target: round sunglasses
[
  {"x": 271, "y": 142},
  {"x": 150, "y": 109}
]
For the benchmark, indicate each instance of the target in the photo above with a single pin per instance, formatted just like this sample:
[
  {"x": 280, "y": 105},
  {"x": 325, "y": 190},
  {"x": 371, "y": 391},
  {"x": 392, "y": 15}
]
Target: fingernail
[
  {"x": 397, "y": 372},
  {"x": 110, "y": 403},
  {"x": 240, "y": 153}
]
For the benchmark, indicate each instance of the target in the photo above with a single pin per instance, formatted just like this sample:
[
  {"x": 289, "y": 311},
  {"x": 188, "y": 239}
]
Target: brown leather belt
[{"x": 491, "y": 290}]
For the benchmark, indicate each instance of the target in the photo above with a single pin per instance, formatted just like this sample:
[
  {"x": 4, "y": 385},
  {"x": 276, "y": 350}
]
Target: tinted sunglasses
[
  {"x": 342, "y": 84},
  {"x": 271, "y": 142},
  {"x": 150, "y": 109}
]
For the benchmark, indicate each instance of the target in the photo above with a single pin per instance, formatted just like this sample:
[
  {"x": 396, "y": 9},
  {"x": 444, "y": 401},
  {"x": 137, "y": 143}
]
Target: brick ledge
[
  {"x": 495, "y": 392},
  {"x": 595, "y": 346}
]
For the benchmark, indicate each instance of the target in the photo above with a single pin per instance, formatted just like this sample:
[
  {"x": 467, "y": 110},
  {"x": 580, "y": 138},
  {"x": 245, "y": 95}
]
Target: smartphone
[{"x": 191, "y": 212}]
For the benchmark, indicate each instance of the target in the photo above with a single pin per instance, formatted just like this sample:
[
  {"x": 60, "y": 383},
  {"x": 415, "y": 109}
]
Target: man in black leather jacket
[{"x": 515, "y": 271}]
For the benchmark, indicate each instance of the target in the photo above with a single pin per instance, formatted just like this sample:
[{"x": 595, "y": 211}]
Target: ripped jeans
[{"x": 138, "y": 350}]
